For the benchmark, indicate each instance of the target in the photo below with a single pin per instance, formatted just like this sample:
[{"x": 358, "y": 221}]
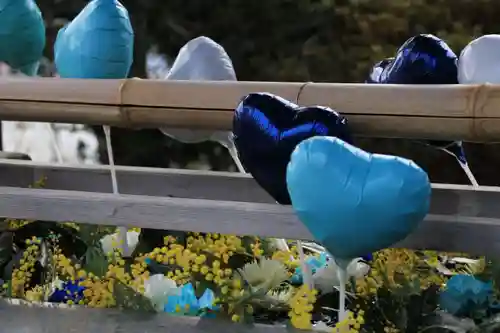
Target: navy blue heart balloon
[
  {"x": 266, "y": 130},
  {"x": 422, "y": 59}
]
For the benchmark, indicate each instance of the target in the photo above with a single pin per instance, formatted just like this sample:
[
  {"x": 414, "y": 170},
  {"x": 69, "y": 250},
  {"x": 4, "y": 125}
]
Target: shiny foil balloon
[
  {"x": 22, "y": 35},
  {"x": 422, "y": 59},
  {"x": 479, "y": 61},
  {"x": 97, "y": 44},
  {"x": 201, "y": 59},
  {"x": 354, "y": 202},
  {"x": 267, "y": 128}
]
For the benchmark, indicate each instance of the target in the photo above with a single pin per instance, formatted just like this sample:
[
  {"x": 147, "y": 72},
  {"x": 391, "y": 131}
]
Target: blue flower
[
  {"x": 464, "y": 294},
  {"x": 317, "y": 262},
  {"x": 67, "y": 291},
  {"x": 187, "y": 303},
  {"x": 314, "y": 263}
]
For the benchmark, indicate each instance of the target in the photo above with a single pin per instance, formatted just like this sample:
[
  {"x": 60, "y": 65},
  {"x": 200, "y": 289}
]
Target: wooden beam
[
  {"x": 471, "y": 112},
  {"x": 19, "y": 316},
  {"x": 468, "y": 221},
  {"x": 177, "y": 183}
]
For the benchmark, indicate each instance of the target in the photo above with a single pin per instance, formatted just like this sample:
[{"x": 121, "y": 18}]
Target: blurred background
[{"x": 273, "y": 40}]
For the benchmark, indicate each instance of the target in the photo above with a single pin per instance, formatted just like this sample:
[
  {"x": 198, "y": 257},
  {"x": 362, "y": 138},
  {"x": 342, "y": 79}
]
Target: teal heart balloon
[
  {"x": 354, "y": 202},
  {"x": 97, "y": 44},
  {"x": 22, "y": 35}
]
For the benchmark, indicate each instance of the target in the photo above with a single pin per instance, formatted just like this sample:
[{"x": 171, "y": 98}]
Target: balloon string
[
  {"x": 342, "y": 276},
  {"x": 122, "y": 231},
  {"x": 306, "y": 274},
  {"x": 465, "y": 167},
  {"x": 469, "y": 174},
  {"x": 234, "y": 155}
]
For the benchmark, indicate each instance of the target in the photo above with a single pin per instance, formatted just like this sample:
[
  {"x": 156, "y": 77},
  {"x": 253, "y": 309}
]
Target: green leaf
[
  {"x": 153, "y": 238},
  {"x": 95, "y": 261},
  {"x": 68, "y": 238},
  {"x": 91, "y": 234},
  {"x": 157, "y": 268},
  {"x": 6, "y": 248},
  {"x": 4, "y": 225},
  {"x": 9, "y": 267},
  {"x": 201, "y": 285},
  {"x": 128, "y": 298}
]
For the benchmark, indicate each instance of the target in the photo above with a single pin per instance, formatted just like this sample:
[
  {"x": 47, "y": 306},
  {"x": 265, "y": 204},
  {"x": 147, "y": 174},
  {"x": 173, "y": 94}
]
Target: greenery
[{"x": 243, "y": 279}]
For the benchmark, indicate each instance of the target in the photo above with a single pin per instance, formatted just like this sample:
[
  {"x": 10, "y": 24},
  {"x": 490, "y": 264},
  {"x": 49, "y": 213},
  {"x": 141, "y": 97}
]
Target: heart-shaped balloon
[
  {"x": 422, "y": 59},
  {"x": 266, "y": 130},
  {"x": 479, "y": 61},
  {"x": 22, "y": 35},
  {"x": 97, "y": 44},
  {"x": 201, "y": 59},
  {"x": 354, "y": 202}
]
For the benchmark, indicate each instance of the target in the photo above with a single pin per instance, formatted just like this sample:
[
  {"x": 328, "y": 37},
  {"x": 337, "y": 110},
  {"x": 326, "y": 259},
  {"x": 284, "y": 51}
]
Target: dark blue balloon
[
  {"x": 422, "y": 59},
  {"x": 266, "y": 130}
]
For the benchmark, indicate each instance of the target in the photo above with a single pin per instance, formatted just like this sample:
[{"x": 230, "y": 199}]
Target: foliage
[{"x": 243, "y": 279}]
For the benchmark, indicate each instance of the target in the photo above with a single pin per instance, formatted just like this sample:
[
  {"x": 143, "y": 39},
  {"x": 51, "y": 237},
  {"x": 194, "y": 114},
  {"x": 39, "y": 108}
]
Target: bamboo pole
[{"x": 455, "y": 112}]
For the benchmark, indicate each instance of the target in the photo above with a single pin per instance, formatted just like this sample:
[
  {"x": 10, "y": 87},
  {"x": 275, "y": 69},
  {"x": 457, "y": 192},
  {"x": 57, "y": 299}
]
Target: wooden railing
[
  {"x": 461, "y": 219},
  {"x": 470, "y": 112}
]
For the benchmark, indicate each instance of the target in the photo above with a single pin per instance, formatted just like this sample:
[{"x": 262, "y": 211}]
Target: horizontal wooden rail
[
  {"x": 23, "y": 317},
  {"x": 461, "y": 219},
  {"x": 464, "y": 112}
]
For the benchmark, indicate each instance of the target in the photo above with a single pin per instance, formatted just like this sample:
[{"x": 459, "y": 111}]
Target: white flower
[
  {"x": 157, "y": 288},
  {"x": 109, "y": 243},
  {"x": 326, "y": 279},
  {"x": 321, "y": 327},
  {"x": 469, "y": 266},
  {"x": 357, "y": 268},
  {"x": 265, "y": 273},
  {"x": 56, "y": 284}
]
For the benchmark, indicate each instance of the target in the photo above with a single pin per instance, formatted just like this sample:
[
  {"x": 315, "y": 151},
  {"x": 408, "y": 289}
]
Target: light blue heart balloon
[
  {"x": 97, "y": 44},
  {"x": 22, "y": 35},
  {"x": 354, "y": 202}
]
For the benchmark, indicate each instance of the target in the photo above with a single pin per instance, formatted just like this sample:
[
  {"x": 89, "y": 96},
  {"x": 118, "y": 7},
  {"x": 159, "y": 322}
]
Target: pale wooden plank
[
  {"x": 33, "y": 318},
  {"x": 151, "y": 212},
  {"x": 196, "y": 184},
  {"x": 230, "y": 186},
  {"x": 457, "y": 226}
]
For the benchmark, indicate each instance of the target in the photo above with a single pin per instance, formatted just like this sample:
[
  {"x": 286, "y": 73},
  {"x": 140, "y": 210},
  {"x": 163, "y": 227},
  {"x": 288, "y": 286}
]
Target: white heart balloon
[
  {"x": 201, "y": 59},
  {"x": 479, "y": 61}
]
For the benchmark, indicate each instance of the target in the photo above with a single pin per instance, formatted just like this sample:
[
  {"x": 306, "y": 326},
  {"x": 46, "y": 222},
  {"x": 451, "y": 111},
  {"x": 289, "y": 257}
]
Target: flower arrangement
[{"x": 248, "y": 280}]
